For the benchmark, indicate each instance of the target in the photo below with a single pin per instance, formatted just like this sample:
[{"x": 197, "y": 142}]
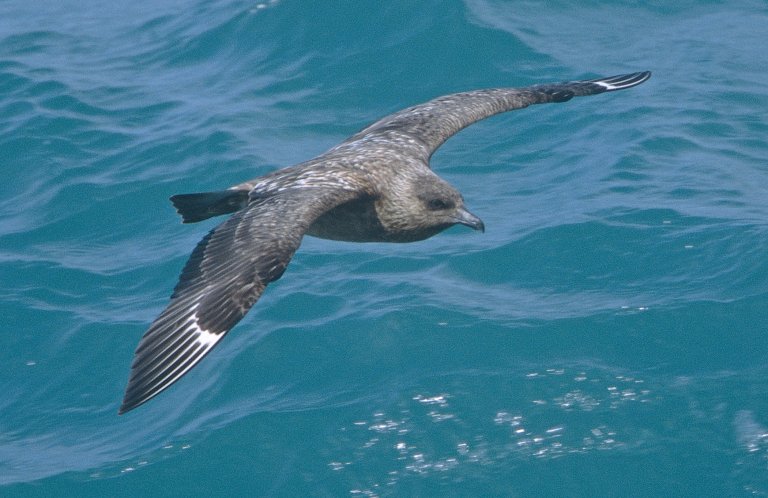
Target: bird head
[{"x": 424, "y": 206}]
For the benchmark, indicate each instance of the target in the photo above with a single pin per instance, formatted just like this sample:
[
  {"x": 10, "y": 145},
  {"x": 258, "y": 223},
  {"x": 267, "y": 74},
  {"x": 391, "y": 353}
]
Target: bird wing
[
  {"x": 432, "y": 123},
  {"x": 225, "y": 275}
]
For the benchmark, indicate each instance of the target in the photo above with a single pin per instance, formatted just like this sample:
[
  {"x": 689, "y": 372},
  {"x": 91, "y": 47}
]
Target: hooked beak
[{"x": 466, "y": 218}]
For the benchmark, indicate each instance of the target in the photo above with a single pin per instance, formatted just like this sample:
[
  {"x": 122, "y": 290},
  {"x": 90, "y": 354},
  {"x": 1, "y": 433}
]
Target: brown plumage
[{"x": 376, "y": 186}]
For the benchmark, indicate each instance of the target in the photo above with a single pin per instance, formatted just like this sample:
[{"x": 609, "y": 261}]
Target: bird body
[{"x": 376, "y": 186}]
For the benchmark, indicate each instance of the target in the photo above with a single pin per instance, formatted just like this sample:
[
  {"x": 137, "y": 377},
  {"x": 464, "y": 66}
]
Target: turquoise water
[{"x": 606, "y": 336}]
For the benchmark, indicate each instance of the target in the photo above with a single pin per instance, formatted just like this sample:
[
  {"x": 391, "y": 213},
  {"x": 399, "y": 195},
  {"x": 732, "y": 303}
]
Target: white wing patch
[
  {"x": 199, "y": 342},
  {"x": 169, "y": 361},
  {"x": 607, "y": 86},
  {"x": 205, "y": 339},
  {"x": 622, "y": 81}
]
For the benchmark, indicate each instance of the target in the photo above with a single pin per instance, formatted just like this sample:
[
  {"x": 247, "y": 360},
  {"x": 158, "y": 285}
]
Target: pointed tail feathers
[{"x": 204, "y": 205}]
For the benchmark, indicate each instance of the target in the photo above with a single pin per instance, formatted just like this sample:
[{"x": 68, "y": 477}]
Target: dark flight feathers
[
  {"x": 224, "y": 277},
  {"x": 434, "y": 122}
]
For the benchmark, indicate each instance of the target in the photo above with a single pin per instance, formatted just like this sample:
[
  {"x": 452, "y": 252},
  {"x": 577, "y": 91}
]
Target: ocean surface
[{"x": 606, "y": 336}]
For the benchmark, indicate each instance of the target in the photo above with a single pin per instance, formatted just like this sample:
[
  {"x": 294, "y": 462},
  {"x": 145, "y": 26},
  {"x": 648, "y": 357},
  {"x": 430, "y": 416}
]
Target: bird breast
[{"x": 354, "y": 221}]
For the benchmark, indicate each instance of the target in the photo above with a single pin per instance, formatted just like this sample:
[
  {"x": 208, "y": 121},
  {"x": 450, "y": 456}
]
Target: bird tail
[{"x": 201, "y": 206}]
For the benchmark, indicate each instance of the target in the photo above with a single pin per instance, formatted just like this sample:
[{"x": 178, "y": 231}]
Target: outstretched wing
[
  {"x": 224, "y": 277},
  {"x": 432, "y": 123}
]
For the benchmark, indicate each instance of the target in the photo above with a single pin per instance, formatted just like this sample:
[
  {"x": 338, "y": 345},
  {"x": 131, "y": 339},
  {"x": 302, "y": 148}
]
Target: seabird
[{"x": 376, "y": 186}]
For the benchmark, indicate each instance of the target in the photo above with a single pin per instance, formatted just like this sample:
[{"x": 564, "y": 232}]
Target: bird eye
[{"x": 439, "y": 204}]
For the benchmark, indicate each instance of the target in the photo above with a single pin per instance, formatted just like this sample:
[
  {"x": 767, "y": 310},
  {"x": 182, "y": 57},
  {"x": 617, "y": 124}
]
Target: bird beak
[{"x": 464, "y": 217}]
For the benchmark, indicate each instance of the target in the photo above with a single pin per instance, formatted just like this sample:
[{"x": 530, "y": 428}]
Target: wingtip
[
  {"x": 621, "y": 81},
  {"x": 560, "y": 92},
  {"x": 135, "y": 398},
  {"x": 128, "y": 405}
]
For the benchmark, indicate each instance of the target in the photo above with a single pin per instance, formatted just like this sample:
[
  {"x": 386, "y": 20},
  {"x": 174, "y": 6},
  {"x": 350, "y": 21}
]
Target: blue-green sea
[{"x": 606, "y": 336}]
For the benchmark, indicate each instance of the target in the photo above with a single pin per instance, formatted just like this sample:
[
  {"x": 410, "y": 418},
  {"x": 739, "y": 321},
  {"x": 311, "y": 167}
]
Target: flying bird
[{"x": 376, "y": 186}]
